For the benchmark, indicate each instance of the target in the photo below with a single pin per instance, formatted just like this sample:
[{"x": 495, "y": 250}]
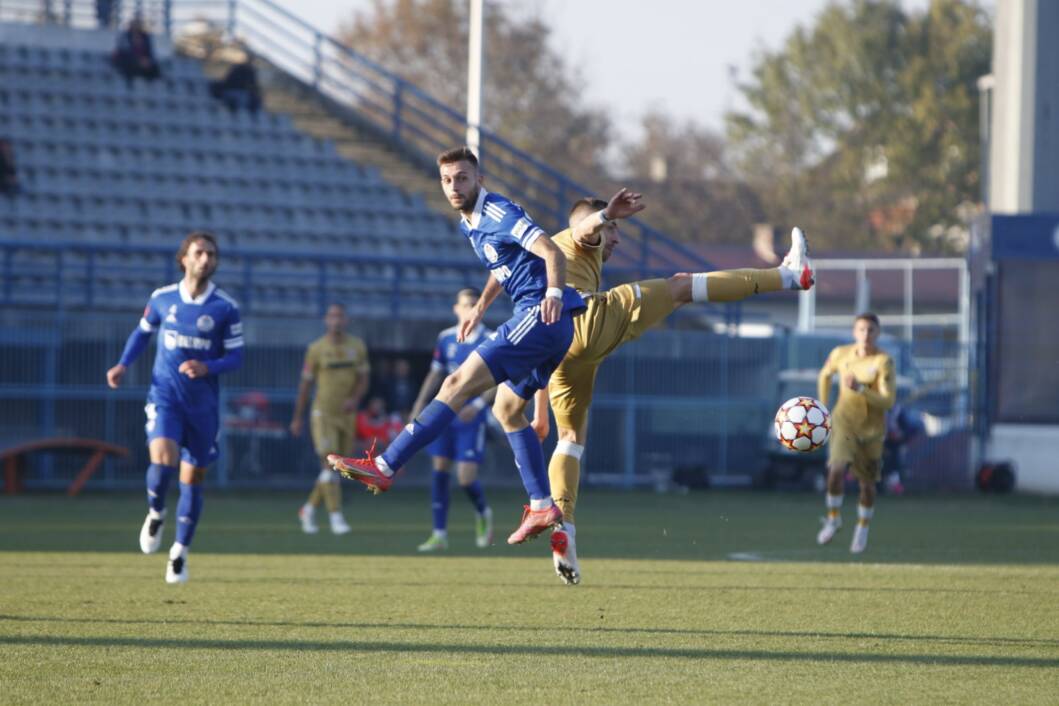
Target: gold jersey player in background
[
  {"x": 338, "y": 363},
  {"x": 867, "y": 390},
  {"x": 615, "y": 317}
]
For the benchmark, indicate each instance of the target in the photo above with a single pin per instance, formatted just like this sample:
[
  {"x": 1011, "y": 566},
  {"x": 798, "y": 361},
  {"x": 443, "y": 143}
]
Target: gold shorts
[
  {"x": 611, "y": 318},
  {"x": 862, "y": 454},
  {"x": 332, "y": 433}
]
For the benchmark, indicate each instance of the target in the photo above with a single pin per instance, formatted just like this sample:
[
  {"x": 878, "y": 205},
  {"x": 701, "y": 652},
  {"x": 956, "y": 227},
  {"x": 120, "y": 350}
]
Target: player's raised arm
[
  {"x": 555, "y": 262},
  {"x": 623, "y": 204},
  {"x": 489, "y": 293}
]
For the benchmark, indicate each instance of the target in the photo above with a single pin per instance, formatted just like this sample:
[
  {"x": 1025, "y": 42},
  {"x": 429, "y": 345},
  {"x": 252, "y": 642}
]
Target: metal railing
[{"x": 397, "y": 109}]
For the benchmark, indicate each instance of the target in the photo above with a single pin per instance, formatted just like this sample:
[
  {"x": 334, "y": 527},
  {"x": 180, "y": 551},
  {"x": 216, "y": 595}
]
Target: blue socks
[
  {"x": 439, "y": 499},
  {"x": 188, "y": 510},
  {"x": 529, "y": 457},
  {"x": 476, "y": 495},
  {"x": 158, "y": 479},
  {"x": 433, "y": 420}
]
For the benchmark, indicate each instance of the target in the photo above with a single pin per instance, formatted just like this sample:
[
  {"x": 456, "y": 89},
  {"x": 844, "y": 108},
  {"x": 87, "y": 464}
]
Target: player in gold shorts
[
  {"x": 613, "y": 318},
  {"x": 338, "y": 363},
  {"x": 867, "y": 389}
]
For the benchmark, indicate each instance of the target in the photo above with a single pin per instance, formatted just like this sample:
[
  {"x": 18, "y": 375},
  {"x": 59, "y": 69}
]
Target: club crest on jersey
[
  {"x": 451, "y": 351},
  {"x": 490, "y": 252},
  {"x": 205, "y": 323},
  {"x": 171, "y": 316}
]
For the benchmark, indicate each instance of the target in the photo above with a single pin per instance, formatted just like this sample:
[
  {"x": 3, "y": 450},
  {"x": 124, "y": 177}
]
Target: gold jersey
[
  {"x": 862, "y": 413},
  {"x": 584, "y": 264},
  {"x": 336, "y": 368}
]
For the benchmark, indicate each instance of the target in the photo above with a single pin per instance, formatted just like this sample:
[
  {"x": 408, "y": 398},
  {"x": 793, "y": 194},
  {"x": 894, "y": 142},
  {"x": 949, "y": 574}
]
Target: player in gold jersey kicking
[
  {"x": 867, "y": 389},
  {"x": 615, "y": 317}
]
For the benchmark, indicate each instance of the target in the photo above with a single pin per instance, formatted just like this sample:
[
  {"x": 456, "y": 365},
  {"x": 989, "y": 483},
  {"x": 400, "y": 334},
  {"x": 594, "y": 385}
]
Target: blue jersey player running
[
  {"x": 199, "y": 337},
  {"x": 522, "y": 353},
  {"x": 463, "y": 442}
]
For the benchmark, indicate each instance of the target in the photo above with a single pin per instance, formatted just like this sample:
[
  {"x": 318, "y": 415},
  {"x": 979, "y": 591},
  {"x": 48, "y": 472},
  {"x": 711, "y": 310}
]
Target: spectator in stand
[
  {"x": 106, "y": 12},
  {"x": 8, "y": 175},
  {"x": 375, "y": 424},
  {"x": 402, "y": 390},
  {"x": 134, "y": 54},
  {"x": 239, "y": 89}
]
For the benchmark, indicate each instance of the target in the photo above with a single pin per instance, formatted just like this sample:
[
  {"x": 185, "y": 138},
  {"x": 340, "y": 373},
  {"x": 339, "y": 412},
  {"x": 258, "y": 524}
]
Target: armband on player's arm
[
  {"x": 231, "y": 360},
  {"x": 134, "y": 346}
]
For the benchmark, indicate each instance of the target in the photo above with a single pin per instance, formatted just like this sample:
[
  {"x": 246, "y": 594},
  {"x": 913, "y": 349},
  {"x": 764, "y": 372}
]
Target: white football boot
[
  {"x": 339, "y": 525},
  {"x": 797, "y": 262},
  {"x": 305, "y": 515},
  {"x": 827, "y": 532},
  {"x": 564, "y": 555},
  {"x": 151, "y": 532},
  {"x": 435, "y": 543},
  {"x": 860, "y": 539},
  {"x": 176, "y": 570},
  {"x": 483, "y": 529}
]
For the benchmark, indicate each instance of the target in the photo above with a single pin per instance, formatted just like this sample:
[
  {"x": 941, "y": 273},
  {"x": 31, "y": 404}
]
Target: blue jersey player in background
[
  {"x": 463, "y": 442},
  {"x": 519, "y": 357},
  {"x": 200, "y": 336}
]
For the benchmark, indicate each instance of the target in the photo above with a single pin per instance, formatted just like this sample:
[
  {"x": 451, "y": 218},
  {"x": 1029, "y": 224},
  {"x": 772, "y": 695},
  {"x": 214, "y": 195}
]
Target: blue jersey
[
  {"x": 502, "y": 234},
  {"x": 203, "y": 328},
  {"x": 449, "y": 353}
]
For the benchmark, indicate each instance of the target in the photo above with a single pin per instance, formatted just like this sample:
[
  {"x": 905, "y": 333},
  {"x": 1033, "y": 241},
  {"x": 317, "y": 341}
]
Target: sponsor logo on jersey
[
  {"x": 490, "y": 252},
  {"x": 173, "y": 340},
  {"x": 205, "y": 323}
]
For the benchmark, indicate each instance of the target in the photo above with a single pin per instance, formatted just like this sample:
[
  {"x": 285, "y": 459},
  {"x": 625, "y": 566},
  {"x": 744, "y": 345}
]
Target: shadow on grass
[
  {"x": 534, "y": 650},
  {"x": 993, "y": 641}
]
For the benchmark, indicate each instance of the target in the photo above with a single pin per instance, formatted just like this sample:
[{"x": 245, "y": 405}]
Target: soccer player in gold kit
[
  {"x": 867, "y": 389},
  {"x": 615, "y": 317},
  {"x": 338, "y": 363}
]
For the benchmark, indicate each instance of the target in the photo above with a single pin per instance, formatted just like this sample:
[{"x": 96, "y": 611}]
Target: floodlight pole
[{"x": 474, "y": 78}]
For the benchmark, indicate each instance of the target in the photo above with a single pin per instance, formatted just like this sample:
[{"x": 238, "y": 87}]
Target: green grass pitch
[{"x": 710, "y": 598}]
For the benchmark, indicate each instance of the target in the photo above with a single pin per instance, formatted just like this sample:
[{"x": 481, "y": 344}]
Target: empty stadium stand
[{"x": 114, "y": 176}]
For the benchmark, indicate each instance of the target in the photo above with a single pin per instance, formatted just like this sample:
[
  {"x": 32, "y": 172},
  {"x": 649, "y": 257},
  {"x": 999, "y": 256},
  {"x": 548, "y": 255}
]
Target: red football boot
[
  {"x": 534, "y": 522},
  {"x": 364, "y": 470}
]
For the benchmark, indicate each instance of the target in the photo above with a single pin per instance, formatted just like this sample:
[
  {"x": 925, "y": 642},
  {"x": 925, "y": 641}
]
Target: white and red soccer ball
[{"x": 803, "y": 424}]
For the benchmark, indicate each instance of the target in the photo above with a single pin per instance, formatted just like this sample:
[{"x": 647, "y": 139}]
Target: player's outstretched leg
[
  {"x": 158, "y": 478},
  {"x": 564, "y": 554},
  {"x": 188, "y": 512},
  {"x": 794, "y": 273}
]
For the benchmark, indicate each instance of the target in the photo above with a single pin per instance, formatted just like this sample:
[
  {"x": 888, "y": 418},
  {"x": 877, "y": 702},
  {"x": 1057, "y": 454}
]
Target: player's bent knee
[{"x": 680, "y": 287}]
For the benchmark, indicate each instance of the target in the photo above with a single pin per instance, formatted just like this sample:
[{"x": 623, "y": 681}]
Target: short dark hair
[
  {"x": 472, "y": 292},
  {"x": 340, "y": 305},
  {"x": 868, "y": 316},
  {"x": 194, "y": 237},
  {"x": 458, "y": 154},
  {"x": 588, "y": 203}
]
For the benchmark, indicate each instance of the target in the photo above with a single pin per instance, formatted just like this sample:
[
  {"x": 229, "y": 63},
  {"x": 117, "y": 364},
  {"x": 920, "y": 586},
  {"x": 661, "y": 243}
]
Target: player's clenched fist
[
  {"x": 194, "y": 369},
  {"x": 114, "y": 376}
]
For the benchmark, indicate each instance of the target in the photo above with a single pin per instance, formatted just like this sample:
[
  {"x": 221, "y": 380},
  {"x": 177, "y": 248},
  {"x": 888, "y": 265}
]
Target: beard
[{"x": 468, "y": 204}]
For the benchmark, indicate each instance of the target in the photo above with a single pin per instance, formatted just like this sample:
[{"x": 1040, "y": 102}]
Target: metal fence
[{"x": 673, "y": 399}]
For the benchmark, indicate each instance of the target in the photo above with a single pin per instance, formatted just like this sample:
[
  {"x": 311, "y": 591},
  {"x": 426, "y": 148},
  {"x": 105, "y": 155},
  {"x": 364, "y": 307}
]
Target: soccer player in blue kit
[
  {"x": 519, "y": 357},
  {"x": 200, "y": 337},
  {"x": 463, "y": 442}
]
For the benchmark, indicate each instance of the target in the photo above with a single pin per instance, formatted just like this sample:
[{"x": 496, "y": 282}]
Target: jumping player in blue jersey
[
  {"x": 463, "y": 442},
  {"x": 522, "y": 353},
  {"x": 200, "y": 336}
]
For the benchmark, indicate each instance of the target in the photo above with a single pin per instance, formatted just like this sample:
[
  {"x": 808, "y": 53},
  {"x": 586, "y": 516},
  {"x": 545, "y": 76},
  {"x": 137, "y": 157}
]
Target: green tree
[
  {"x": 692, "y": 193},
  {"x": 530, "y": 92},
  {"x": 864, "y": 127}
]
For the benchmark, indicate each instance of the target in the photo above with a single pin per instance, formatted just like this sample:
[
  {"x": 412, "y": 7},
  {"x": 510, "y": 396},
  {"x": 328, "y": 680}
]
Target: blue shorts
[
  {"x": 463, "y": 442},
  {"x": 195, "y": 432},
  {"x": 524, "y": 352}
]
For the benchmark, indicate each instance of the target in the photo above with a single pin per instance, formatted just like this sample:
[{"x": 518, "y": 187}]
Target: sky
[{"x": 677, "y": 56}]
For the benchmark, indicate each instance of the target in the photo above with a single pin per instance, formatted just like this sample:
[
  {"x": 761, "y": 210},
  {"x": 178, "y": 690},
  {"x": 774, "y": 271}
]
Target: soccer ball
[{"x": 803, "y": 424}]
